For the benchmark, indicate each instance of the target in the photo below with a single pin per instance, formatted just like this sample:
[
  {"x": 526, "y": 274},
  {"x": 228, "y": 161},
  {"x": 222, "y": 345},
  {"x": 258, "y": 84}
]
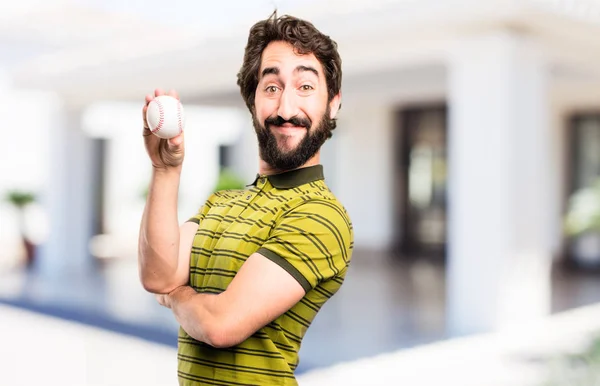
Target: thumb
[{"x": 176, "y": 142}]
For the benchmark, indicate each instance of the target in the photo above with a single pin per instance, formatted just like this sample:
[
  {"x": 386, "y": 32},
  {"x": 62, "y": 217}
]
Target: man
[{"x": 246, "y": 276}]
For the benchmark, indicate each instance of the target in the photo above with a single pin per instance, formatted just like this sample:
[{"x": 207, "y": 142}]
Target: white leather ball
[{"x": 165, "y": 116}]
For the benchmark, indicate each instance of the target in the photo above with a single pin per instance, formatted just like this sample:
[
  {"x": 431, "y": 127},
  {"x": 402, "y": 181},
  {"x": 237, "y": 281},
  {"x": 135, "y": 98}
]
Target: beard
[{"x": 283, "y": 160}]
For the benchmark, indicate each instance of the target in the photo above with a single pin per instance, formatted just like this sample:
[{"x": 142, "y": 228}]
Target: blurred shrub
[
  {"x": 20, "y": 199},
  {"x": 144, "y": 192},
  {"x": 583, "y": 213},
  {"x": 228, "y": 180},
  {"x": 581, "y": 369}
]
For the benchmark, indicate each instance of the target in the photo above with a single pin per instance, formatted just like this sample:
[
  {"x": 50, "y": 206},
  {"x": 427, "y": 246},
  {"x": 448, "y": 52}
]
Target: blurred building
[{"x": 465, "y": 127}]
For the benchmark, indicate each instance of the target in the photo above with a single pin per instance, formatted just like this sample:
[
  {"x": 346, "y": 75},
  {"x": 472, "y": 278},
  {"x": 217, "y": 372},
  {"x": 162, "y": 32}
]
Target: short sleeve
[{"x": 313, "y": 242}]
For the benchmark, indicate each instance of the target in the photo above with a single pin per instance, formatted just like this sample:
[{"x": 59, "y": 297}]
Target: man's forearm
[
  {"x": 198, "y": 315},
  {"x": 159, "y": 231}
]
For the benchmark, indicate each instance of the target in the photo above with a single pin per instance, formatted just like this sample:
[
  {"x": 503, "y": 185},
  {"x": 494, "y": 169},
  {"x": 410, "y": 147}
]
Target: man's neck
[{"x": 264, "y": 169}]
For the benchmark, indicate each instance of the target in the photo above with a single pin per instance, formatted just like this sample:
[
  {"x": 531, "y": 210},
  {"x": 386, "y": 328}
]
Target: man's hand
[
  {"x": 163, "y": 300},
  {"x": 179, "y": 294},
  {"x": 164, "y": 153}
]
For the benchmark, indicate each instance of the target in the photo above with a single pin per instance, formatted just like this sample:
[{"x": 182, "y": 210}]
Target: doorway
[{"x": 421, "y": 175}]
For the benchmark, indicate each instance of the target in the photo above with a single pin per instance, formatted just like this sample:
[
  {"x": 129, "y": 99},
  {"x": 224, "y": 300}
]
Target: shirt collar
[{"x": 294, "y": 178}]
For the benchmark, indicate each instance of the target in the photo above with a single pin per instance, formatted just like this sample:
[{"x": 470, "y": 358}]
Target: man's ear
[{"x": 335, "y": 104}]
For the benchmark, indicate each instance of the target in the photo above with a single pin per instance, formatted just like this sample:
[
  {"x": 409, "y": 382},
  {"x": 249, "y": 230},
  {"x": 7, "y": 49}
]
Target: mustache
[{"x": 296, "y": 121}]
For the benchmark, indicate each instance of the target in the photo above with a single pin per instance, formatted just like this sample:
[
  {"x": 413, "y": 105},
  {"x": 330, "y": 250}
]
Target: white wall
[
  {"x": 499, "y": 205},
  {"x": 68, "y": 197},
  {"x": 27, "y": 121},
  {"x": 244, "y": 152},
  {"x": 364, "y": 171}
]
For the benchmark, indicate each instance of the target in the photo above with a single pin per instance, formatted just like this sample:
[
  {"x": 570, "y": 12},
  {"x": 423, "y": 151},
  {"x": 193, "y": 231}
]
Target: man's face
[{"x": 292, "y": 114}]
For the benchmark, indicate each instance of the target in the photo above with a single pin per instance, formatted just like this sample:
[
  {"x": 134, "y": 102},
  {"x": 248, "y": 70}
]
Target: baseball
[{"x": 165, "y": 116}]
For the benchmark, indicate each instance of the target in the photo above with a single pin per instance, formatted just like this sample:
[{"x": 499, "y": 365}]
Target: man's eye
[
  {"x": 306, "y": 87},
  {"x": 271, "y": 89}
]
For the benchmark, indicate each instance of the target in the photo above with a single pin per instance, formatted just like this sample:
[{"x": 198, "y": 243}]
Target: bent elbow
[
  {"x": 150, "y": 285},
  {"x": 222, "y": 336},
  {"x": 154, "y": 285},
  {"x": 218, "y": 338}
]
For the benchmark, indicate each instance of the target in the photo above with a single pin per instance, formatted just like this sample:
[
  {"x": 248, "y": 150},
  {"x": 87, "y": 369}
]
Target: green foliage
[
  {"x": 584, "y": 211},
  {"x": 228, "y": 180},
  {"x": 20, "y": 199},
  {"x": 582, "y": 369},
  {"x": 144, "y": 192}
]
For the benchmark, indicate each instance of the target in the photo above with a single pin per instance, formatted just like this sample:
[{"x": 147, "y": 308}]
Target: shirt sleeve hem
[{"x": 287, "y": 266}]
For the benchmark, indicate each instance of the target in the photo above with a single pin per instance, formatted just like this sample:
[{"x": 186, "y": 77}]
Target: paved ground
[
  {"x": 382, "y": 307},
  {"x": 41, "y": 350},
  {"x": 526, "y": 356}
]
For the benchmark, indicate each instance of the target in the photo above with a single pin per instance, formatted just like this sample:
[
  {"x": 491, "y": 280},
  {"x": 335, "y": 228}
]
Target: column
[
  {"x": 499, "y": 207},
  {"x": 244, "y": 152},
  {"x": 69, "y": 197},
  {"x": 364, "y": 177}
]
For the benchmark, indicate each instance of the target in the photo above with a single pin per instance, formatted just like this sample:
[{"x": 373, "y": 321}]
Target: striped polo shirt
[{"x": 292, "y": 219}]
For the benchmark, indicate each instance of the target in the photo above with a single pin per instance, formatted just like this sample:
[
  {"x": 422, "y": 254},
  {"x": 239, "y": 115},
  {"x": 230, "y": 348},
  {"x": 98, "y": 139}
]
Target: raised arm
[{"x": 163, "y": 247}]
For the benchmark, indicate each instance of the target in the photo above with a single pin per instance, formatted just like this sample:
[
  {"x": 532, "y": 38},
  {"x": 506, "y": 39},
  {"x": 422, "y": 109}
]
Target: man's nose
[{"x": 288, "y": 106}]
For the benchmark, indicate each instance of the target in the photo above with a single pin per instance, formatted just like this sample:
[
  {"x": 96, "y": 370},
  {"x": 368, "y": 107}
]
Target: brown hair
[{"x": 305, "y": 39}]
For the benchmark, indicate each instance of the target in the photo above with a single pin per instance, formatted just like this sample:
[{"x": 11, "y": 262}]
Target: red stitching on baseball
[
  {"x": 179, "y": 117},
  {"x": 161, "y": 116}
]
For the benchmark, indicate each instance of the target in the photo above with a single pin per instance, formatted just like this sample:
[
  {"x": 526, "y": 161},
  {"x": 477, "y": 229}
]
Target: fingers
[
  {"x": 147, "y": 99},
  {"x": 145, "y": 122},
  {"x": 160, "y": 298},
  {"x": 144, "y": 109},
  {"x": 176, "y": 141},
  {"x": 174, "y": 94},
  {"x": 159, "y": 92}
]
